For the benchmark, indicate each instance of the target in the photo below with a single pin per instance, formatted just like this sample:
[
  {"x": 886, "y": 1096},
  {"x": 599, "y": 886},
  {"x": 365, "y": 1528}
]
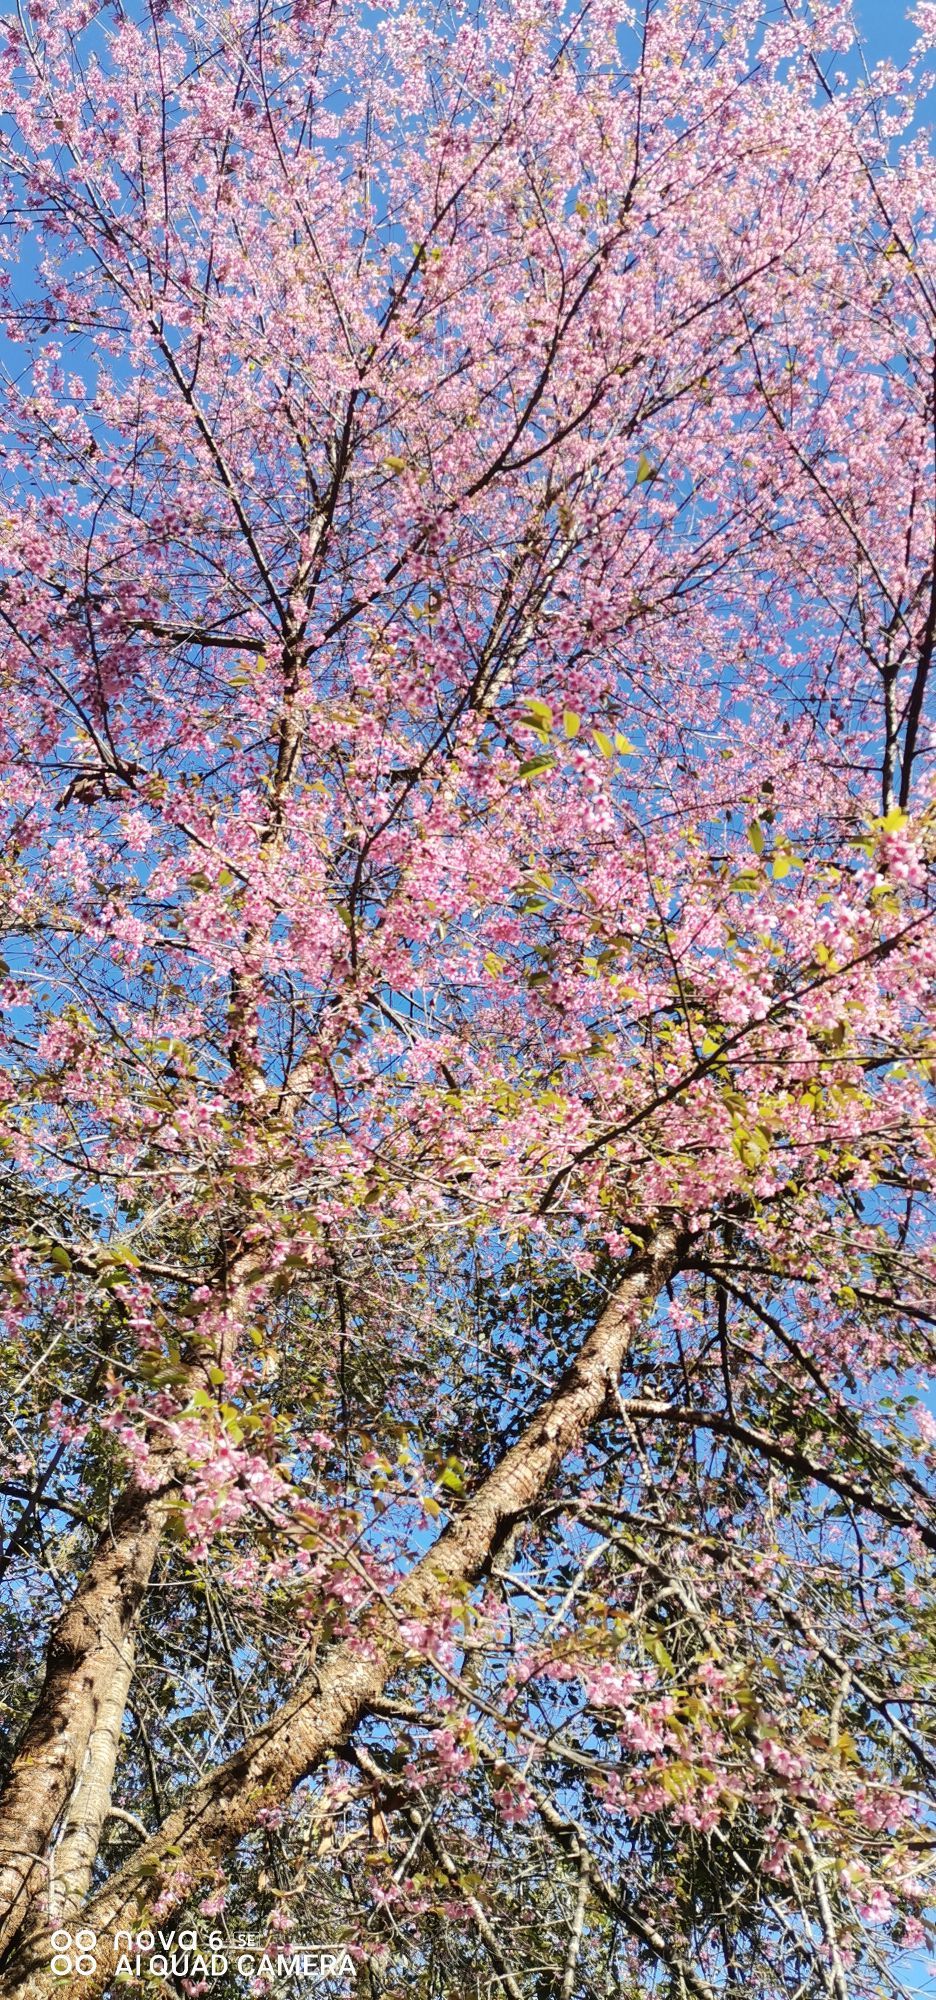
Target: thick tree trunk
[
  {"x": 72, "y": 1860},
  {"x": 66, "y": 1759},
  {"x": 70, "y": 1745},
  {"x": 330, "y": 1702}
]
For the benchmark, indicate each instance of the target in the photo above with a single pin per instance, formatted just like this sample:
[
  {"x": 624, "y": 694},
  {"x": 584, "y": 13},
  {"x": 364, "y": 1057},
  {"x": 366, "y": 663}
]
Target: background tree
[{"x": 468, "y": 601}]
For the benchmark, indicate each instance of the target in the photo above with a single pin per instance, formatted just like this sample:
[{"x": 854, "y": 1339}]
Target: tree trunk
[
  {"x": 70, "y": 1745},
  {"x": 67, "y": 1756},
  {"x": 331, "y": 1701},
  {"x": 72, "y": 1860}
]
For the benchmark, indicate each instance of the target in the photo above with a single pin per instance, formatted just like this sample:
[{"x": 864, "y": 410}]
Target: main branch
[{"x": 331, "y": 1700}]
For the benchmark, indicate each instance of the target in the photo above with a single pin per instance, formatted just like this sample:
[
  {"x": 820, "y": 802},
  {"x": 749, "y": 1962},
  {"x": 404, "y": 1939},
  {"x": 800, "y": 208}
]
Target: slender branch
[
  {"x": 425, "y": 1830},
  {"x": 790, "y": 1456}
]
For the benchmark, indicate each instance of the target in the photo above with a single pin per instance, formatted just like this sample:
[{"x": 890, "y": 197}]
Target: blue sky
[{"x": 885, "y": 28}]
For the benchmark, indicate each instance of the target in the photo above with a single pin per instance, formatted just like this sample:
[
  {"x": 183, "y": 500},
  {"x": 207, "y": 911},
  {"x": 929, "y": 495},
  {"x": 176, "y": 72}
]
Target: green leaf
[
  {"x": 534, "y": 765},
  {"x": 604, "y": 743},
  {"x": 893, "y": 820},
  {"x": 645, "y": 470},
  {"x": 571, "y": 722},
  {"x": 755, "y": 834},
  {"x": 781, "y": 866},
  {"x": 394, "y": 465}
]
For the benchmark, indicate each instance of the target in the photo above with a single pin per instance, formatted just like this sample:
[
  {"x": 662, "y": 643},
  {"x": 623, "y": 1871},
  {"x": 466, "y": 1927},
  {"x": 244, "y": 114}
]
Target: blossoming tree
[{"x": 468, "y": 535}]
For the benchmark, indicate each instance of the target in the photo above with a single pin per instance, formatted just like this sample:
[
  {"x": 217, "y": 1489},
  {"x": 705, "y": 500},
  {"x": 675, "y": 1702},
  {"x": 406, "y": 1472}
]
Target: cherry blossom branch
[{"x": 333, "y": 1696}]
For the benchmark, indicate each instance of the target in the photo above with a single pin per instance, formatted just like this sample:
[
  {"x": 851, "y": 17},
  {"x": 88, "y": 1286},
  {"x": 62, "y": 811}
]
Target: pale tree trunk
[
  {"x": 73, "y": 1857},
  {"x": 64, "y": 1767},
  {"x": 331, "y": 1700},
  {"x": 66, "y": 1758}
]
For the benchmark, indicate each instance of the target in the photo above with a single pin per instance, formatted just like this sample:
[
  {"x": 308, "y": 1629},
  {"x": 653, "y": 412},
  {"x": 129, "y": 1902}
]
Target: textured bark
[
  {"x": 331, "y": 1701},
  {"x": 75, "y": 1850},
  {"x": 88, "y": 1668},
  {"x": 64, "y": 1767}
]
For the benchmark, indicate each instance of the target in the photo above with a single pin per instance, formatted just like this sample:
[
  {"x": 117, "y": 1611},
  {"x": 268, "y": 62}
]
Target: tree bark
[
  {"x": 67, "y": 1756},
  {"x": 89, "y": 1663},
  {"x": 331, "y": 1701},
  {"x": 73, "y": 1857}
]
